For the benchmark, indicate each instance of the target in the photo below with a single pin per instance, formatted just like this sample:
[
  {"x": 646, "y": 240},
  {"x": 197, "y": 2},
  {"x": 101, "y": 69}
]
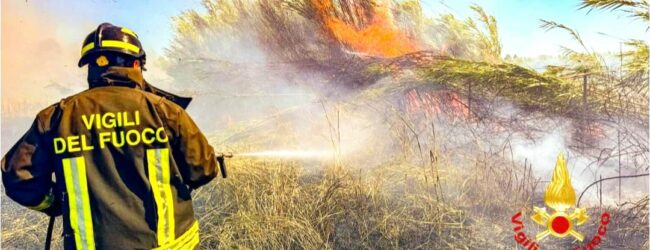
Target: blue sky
[
  {"x": 41, "y": 40},
  {"x": 75, "y": 19},
  {"x": 518, "y": 21}
]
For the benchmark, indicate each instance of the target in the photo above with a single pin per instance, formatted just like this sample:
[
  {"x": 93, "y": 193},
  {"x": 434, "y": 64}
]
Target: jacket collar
[
  {"x": 130, "y": 77},
  {"x": 119, "y": 76}
]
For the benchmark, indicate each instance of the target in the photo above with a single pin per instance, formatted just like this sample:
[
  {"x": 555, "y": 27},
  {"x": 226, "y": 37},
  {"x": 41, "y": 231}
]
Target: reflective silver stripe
[{"x": 80, "y": 215}]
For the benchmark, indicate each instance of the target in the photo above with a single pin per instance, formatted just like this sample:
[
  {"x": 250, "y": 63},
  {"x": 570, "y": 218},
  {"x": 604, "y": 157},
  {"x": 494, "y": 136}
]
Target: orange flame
[
  {"x": 559, "y": 194},
  {"x": 380, "y": 37}
]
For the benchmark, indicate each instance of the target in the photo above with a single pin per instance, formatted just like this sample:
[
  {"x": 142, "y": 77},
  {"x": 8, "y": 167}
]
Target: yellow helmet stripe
[
  {"x": 130, "y": 32},
  {"x": 87, "y": 47},
  {"x": 121, "y": 45}
]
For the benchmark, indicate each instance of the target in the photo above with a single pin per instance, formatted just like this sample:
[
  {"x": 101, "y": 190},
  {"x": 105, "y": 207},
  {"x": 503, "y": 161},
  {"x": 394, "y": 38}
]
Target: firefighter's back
[{"x": 122, "y": 186}]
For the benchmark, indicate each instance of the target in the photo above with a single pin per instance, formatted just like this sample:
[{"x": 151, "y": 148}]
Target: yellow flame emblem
[
  {"x": 560, "y": 196},
  {"x": 101, "y": 61},
  {"x": 559, "y": 193}
]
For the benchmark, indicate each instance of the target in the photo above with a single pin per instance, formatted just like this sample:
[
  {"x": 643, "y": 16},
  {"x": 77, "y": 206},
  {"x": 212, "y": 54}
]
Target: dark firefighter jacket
[{"x": 124, "y": 160}]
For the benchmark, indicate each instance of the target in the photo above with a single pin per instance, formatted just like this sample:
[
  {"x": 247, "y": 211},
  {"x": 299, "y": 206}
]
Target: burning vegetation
[
  {"x": 423, "y": 116},
  {"x": 371, "y": 29}
]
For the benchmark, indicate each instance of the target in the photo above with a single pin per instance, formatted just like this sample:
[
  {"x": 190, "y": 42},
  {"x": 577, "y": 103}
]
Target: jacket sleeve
[
  {"x": 192, "y": 152},
  {"x": 27, "y": 168}
]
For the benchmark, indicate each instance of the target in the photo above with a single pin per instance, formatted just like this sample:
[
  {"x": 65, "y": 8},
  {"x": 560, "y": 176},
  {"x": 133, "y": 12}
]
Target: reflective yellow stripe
[
  {"x": 46, "y": 203},
  {"x": 86, "y": 204},
  {"x": 192, "y": 244},
  {"x": 188, "y": 240},
  {"x": 72, "y": 197},
  {"x": 130, "y": 32},
  {"x": 87, "y": 47},
  {"x": 167, "y": 190},
  {"x": 74, "y": 170},
  {"x": 158, "y": 169},
  {"x": 121, "y": 45}
]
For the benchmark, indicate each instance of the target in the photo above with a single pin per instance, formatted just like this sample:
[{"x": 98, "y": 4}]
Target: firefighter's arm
[
  {"x": 27, "y": 171},
  {"x": 194, "y": 156}
]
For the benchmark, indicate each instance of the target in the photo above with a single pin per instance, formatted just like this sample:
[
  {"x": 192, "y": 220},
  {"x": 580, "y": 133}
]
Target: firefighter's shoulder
[
  {"x": 47, "y": 117},
  {"x": 50, "y": 115},
  {"x": 169, "y": 108}
]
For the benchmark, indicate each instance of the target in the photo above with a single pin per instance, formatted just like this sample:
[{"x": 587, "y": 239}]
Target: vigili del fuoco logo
[{"x": 564, "y": 219}]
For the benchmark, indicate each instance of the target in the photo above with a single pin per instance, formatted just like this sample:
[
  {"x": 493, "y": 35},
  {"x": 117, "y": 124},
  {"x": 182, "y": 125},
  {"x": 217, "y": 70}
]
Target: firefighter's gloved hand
[{"x": 55, "y": 201}]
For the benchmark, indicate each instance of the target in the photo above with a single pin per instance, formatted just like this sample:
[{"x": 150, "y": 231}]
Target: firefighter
[{"x": 125, "y": 156}]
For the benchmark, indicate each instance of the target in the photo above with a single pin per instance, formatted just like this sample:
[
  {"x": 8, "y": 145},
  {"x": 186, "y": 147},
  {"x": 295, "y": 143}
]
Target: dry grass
[
  {"x": 280, "y": 204},
  {"x": 277, "y": 205}
]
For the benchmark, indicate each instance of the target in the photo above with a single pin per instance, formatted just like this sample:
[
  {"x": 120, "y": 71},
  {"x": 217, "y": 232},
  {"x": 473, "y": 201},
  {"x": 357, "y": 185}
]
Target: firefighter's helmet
[{"x": 111, "y": 38}]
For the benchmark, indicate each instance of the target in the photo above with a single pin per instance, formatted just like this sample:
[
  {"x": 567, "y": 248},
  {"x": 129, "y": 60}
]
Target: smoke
[
  {"x": 38, "y": 68},
  {"x": 36, "y": 57},
  {"x": 584, "y": 168},
  {"x": 258, "y": 96},
  {"x": 542, "y": 153}
]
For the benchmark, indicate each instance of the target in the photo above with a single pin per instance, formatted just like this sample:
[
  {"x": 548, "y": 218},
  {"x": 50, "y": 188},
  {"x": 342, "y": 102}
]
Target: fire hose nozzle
[
  {"x": 225, "y": 155},
  {"x": 222, "y": 163}
]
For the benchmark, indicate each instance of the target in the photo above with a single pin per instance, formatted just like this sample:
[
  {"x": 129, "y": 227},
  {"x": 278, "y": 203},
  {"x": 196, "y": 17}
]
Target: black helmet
[{"x": 108, "y": 37}]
